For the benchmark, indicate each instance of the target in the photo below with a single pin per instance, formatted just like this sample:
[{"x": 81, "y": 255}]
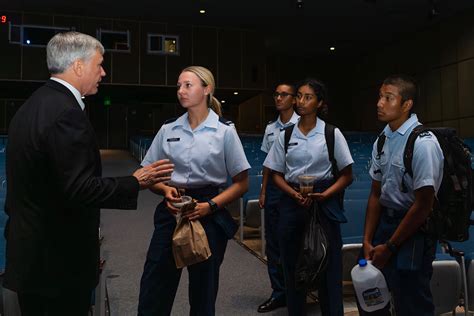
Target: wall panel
[
  {"x": 452, "y": 123},
  {"x": 466, "y": 88},
  {"x": 449, "y": 92},
  {"x": 11, "y": 53},
  {"x": 125, "y": 66},
  {"x": 466, "y": 127},
  {"x": 230, "y": 60},
  {"x": 152, "y": 66},
  {"x": 466, "y": 38},
  {"x": 253, "y": 60},
  {"x": 432, "y": 90},
  {"x": 205, "y": 47},
  {"x": 34, "y": 58},
  {"x": 91, "y": 26},
  {"x": 177, "y": 63},
  {"x": 449, "y": 33}
]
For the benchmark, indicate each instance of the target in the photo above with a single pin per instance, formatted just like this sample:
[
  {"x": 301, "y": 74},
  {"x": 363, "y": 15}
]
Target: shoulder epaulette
[
  {"x": 171, "y": 120},
  {"x": 225, "y": 121}
]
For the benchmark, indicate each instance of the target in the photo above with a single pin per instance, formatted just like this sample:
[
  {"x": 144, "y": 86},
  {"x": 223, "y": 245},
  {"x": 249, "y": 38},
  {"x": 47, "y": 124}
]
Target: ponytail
[
  {"x": 214, "y": 104},
  {"x": 323, "y": 111}
]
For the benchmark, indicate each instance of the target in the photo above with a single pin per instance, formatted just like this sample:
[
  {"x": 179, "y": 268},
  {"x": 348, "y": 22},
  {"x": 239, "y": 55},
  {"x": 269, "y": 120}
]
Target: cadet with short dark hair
[{"x": 399, "y": 205}]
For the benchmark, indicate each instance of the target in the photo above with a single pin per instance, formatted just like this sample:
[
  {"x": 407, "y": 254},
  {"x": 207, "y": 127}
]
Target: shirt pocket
[
  {"x": 270, "y": 139},
  {"x": 175, "y": 149},
  {"x": 397, "y": 166}
]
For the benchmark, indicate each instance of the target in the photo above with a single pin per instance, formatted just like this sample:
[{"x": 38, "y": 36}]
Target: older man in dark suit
[{"x": 55, "y": 187}]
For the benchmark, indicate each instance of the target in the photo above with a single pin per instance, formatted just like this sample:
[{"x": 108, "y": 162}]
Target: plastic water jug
[{"x": 370, "y": 286}]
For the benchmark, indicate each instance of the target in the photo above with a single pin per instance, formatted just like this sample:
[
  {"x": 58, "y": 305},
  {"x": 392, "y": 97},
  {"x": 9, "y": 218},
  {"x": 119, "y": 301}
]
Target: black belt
[
  {"x": 317, "y": 186},
  {"x": 202, "y": 194}
]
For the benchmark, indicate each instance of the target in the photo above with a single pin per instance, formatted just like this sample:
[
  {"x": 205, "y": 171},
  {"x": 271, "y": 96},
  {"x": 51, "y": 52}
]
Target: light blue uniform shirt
[
  {"x": 308, "y": 154},
  {"x": 427, "y": 165},
  {"x": 203, "y": 156},
  {"x": 273, "y": 130}
]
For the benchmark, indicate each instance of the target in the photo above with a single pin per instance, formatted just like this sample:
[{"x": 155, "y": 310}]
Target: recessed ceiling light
[
  {"x": 235, "y": 92},
  {"x": 222, "y": 101},
  {"x": 202, "y": 11},
  {"x": 332, "y": 48}
]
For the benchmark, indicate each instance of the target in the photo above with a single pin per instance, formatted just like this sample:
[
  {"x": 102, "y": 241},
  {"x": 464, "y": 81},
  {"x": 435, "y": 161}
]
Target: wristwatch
[
  {"x": 213, "y": 206},
  {"x": 391, "y": 246}
]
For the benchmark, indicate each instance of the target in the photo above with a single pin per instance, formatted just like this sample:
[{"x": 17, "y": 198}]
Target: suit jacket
[{"x": 54, "y": 195}]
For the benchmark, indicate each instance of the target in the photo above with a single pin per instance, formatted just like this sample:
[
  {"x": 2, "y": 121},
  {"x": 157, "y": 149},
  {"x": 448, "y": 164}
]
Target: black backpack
[{"x": 450, "y": 218}]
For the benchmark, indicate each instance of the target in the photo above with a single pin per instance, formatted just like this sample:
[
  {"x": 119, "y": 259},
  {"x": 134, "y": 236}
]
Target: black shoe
[{"x": 271, "y": 304}]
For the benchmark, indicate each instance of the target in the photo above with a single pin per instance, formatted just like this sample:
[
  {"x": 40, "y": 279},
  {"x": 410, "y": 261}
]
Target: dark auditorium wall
[
  {"x": 441, "y": 58},
  {"x": 237, "y": 57}
]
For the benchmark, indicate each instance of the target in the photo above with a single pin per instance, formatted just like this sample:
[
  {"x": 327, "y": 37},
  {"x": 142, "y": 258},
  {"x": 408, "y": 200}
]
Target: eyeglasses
[
  {"x": 282, "y": 94},
  {"x": 306, "y": 97}
]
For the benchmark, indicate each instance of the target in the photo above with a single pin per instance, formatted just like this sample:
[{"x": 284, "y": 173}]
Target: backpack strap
[
  {"x": 329, "y": 134},
  {"x": 288, "y": 131},
  {"x": 380, "y": 143},
  {"x": 409, "y": 148}
]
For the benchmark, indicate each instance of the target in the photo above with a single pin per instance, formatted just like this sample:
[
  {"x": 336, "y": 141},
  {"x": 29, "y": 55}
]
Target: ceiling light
[
  {"x": 202, "y": 11},
  {"x": 222, "y": 101},
  {"x": 235, "y": 93},
  {"x": 332, "y": 48}
]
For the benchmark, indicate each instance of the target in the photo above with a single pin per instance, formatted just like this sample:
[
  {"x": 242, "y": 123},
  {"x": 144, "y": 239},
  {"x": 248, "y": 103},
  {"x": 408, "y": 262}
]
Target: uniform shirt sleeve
[
  {"x": 375, "y": 165},
  {"x": 276, "y": 158},
  {"x": 155, "y": 152},
  {"x": 427, "y": 163},
  {"x": 235, "y": 158},
  {"x": 265, "y": 146},
  {"x": 341, "y": 150}
]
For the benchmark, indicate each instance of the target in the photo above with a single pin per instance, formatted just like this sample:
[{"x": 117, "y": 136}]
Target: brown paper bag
[{"x": 190, "y": 244}]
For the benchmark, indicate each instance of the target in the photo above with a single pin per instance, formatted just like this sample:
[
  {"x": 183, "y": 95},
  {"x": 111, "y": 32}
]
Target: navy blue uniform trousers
[
  {"x": 292, "y": 222},
  {"x": 272, "y": 248},
  {"x": 408, "y": 273},
  {"x": 160, "y": 277}
]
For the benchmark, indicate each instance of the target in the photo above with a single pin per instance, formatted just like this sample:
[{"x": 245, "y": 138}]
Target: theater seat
[{"x": 446, "y": 285}]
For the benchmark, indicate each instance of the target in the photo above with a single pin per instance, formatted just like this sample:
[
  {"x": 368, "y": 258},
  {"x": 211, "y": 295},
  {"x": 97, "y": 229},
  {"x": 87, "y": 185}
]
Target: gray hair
[{"x": 64, "y": 48}]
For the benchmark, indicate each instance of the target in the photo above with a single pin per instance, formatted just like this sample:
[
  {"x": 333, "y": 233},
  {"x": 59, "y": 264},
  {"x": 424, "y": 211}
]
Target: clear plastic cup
[
  {"x": 306, "y": 184},
  {"x": 184, "y": 200}
]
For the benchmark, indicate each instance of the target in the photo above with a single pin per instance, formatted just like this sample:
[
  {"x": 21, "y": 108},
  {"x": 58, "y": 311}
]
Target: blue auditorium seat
[
  {"x": 356, "y": 194},
  {"x": 255, "y": 184},
  {"x": 353, "y": 230},
  {"x": 365, "y": 185}
]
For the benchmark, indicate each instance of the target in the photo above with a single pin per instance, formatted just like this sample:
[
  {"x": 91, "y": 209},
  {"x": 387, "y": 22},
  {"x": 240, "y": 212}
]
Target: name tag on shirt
[
  {"x": 270, "y": 134},
  {"x": 173, "y": 139}
]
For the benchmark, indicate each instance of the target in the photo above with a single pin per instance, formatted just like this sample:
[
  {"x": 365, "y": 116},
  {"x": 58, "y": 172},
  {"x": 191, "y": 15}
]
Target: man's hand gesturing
[{"x": 158, "y": 171}]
